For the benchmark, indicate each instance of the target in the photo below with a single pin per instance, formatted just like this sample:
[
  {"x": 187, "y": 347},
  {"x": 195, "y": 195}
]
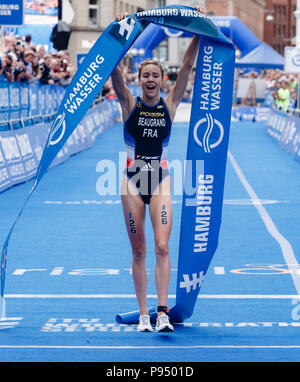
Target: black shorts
[{"x": 146, "y": 177}]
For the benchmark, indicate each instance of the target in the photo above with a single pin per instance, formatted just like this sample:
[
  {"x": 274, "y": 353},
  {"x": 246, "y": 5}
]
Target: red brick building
[
  {"x": 250, "y": 12},
  {"x": 280, "y": 23}
]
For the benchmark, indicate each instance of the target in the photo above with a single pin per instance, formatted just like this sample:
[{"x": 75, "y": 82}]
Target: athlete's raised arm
[
  {"x": 177, "y": 91},
  {"x": 126, "y": 99}
]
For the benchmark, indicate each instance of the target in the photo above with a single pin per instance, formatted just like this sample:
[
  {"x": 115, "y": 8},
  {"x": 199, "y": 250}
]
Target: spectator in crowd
[
  {"x": 251, "y": 93},
  {"x": 108, "y": 90},
  {"x": 23, "y": 61},
  {"x": 19, "y": 50},
  {"x": 128, "y": 76},
  {"x": 62, "y": 68},
  {"x": 36, "y": 67},
  {"x": 41, "y": 52},
  {"x": 28, "y": 60},
  {"x": 46, "y": 75},
  {"x": 283, "y": 96},
  {"x": 293, "y": 96},
  {"x": 28, "y": 44},
  {"x": 187, "y": 96},
  {"x": 293, "y": 82},
  {"x": 9, "y": 45},
  {"x": 8, "y": 67},
  {"x": 275, "y": 90},
  {"x": 20, "y": 71}
]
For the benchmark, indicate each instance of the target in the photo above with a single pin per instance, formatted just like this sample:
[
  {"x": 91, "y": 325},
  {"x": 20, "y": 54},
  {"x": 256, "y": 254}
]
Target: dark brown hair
[{"x": 150, "y": 61}]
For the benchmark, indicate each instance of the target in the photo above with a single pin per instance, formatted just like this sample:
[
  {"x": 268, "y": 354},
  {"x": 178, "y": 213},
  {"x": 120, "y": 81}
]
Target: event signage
[
  {"x": 285, "y": 129},
  {"x": 207, "y": 140},
  {"x": 12, "y": 13},
  {"x": 20, "y": 100},
  {"x": 21, "y": 149},
  {"x": 291, "y": 59}
]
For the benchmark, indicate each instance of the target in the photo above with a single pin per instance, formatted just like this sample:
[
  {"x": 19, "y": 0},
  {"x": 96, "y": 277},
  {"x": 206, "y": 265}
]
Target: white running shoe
[
  {"x": 144, "y": 324},
  {"x": 163, "y": 324}
]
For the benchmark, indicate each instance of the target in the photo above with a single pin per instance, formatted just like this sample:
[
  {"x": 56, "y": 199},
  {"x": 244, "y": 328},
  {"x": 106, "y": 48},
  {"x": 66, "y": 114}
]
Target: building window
[
  {"x": 93, "y": 13},
  {"x": 116, "y": 7},
  {"x": 276, "y": 11},
  {"x": 160, "y": 53}
]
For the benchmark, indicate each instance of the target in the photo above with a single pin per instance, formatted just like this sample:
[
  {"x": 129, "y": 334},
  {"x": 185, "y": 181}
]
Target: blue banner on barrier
[
  {"x": 285, "y": 129},
  {"x": 251, "y": 113},
  {"x": 4, "y": 101},
  {"x": 21, "y": 100},
  {"x": 33, "y": 96},
  {"x": 21, "y": 150},
  {"x": 12, "y": 12}
]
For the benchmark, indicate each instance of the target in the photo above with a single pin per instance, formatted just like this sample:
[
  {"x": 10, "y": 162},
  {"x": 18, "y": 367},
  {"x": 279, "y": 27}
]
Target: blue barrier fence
[
  {"x": 26, "y": 112},
  {"x": 285, "y": 129},
  {"x": 258, "y": 113},
  {"x": 251, "y": 113},
  {"x": 20, "y": 101}
]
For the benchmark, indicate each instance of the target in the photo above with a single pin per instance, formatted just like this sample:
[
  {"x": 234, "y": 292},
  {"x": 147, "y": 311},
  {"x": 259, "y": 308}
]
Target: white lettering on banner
[
  {"x": 30, "y": 165},
  {"x": 13, "y": 7},
  {"x": 125, "y": 27},
  {"x": 84, "y": 86},
  {"x": 170, "y": 12},
  {"x": 210, "y": 96},
  {"x": 193, "y": 283},
  {"x": 159, "y": 12},
  {"x": 24, "y": 96},
  {"x": 10, "y": 149},
  {"x": 4, "y": 97},
  {"x": 17, "y": 169},
  {"x": 3, "y": 175},
  {"x": 24, "y": 144},
  {"x": 1, "y": 158},
  {"x": 14, "y": 97},
  {"x": 211, "y": 81},
  {"x": 203, "y": 212}
]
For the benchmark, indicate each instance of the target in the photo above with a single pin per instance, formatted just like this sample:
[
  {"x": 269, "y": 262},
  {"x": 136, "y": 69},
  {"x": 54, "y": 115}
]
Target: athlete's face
[{"x": 150, "y": 80}]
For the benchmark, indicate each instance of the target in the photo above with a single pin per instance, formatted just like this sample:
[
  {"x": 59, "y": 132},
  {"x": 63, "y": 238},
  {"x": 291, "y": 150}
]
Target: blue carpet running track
[{"x": 69, "y": 264}]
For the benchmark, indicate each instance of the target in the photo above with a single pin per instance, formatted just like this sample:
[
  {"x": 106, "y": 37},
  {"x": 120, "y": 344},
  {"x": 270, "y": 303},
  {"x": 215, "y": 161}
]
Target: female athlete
[{"x": 147, "y": 127}]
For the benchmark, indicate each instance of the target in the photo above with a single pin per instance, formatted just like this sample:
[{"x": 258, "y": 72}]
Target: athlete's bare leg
[
  {"x": 161, "y": 217},
  {"x": 134, "y": 214}
]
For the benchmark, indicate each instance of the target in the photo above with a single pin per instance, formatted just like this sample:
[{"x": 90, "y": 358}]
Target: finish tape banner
[{"x": 208, "y": 134}]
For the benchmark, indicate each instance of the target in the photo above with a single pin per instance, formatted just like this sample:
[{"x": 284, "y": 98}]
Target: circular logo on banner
[
  {"x": 203, "y": 130},
  {"x": 172, "y": 32},
  {"x": 58, "y": 129},
  {"x": 296, "y": 59}
]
